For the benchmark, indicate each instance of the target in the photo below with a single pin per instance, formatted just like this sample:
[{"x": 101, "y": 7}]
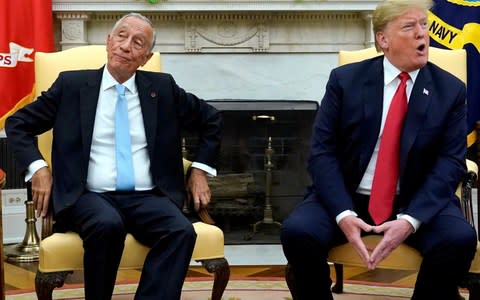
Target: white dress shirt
[
  {"x": 391, "y": 82},
  {"x": 102, "y": 171},
  {"x": 101, "y": 166}
]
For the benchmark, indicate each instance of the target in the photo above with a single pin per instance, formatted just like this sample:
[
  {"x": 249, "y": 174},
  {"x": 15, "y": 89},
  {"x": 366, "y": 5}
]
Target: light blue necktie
[{"x": 123, "y": 146}]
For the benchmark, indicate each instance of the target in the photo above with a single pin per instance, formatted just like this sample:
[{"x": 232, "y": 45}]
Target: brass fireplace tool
[
  {"x": 267, "y": 210},
  {"x": 26, "y": 251}
]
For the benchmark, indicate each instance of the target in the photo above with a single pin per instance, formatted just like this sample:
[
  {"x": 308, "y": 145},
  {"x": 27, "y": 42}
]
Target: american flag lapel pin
[{"x": 425, "y": 91}]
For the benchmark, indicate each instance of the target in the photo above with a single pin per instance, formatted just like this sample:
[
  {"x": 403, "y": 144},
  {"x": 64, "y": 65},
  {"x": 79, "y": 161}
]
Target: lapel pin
[
  {"x": 153, "y": 94},
  {"x": 425, "y": 91}
]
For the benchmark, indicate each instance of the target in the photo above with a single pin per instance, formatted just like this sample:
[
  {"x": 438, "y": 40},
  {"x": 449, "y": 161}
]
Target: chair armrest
[
  {"x": 3, "y": 178},
  {"x": 205, "y": 216},
  {"x": 47, "y": 221},
  {"x": 202, "y": 213},
  {"x": 467, "y": 184},
  {"x": 472, "y": 166},
  {"x": 47, "y": 224}
]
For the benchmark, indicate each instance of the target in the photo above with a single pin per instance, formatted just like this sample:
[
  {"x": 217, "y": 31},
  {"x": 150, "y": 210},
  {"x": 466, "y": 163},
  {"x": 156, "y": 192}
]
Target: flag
[
  {"x": 25, "y": 28},
  {"x": 455, "y": 24}
]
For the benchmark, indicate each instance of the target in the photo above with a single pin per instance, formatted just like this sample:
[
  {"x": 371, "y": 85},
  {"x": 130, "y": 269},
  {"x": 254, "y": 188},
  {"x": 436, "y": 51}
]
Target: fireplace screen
[{"x": 262, "y": 169}]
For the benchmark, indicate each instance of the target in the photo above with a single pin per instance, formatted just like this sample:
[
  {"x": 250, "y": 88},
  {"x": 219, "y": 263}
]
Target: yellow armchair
[
  {"x": 62, "y": 253},
  {"x": 406, "y": 257}
]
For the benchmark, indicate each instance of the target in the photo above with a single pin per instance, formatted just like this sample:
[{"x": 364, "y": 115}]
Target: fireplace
[{"x": 239, "y": 190}]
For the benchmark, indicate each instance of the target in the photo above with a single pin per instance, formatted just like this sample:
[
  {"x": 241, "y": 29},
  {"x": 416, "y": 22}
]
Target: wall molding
[
  {"x": 229, "y": 32},
  {"x": 213, "y": 5}
]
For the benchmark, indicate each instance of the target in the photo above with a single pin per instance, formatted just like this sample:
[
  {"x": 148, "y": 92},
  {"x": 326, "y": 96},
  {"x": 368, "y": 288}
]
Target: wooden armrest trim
[
  {"x": 466, "y": 196},
  {"x": 47, "y": 225},
  {"x": 3, "y": 178},
  {"x": 205, "y": 216}
]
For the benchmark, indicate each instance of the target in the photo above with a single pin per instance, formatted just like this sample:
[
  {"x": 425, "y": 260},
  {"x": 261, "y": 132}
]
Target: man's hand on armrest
[
  {"x": 41, "y": 190},
  {"x": 198, "y": 188}
]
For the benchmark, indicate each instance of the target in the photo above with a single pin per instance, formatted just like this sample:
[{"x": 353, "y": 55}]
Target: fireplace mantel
[
  {"x": 234, "y": 49},
  {"x": 214, "y": 5},
  {"x": 225, "y": 26}
]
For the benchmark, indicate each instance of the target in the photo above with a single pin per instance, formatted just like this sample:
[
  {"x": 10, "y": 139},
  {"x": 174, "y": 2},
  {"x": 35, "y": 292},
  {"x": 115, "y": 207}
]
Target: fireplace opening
[{"x": 260, "y": 137}]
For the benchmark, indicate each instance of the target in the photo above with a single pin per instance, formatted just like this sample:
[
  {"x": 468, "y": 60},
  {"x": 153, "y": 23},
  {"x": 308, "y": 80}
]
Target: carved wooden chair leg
[
  {"x": 221, "y": 270},
  {"x": 290, "y": 279},
  {"x": 338, "y": 286},
  {"x": 46, "y": 282},
  {"x": 472, "y": 283}
]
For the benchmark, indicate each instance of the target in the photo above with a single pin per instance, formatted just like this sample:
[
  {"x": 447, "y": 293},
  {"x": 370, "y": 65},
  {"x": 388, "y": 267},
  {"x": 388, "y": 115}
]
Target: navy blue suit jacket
[
  {"x": 69, "y": 108},
  {"x": 433, "y": 140}
]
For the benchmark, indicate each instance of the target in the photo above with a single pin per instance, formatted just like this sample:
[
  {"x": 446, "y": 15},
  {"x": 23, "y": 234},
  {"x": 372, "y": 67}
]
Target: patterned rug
[{"x": 238, "y": 289}]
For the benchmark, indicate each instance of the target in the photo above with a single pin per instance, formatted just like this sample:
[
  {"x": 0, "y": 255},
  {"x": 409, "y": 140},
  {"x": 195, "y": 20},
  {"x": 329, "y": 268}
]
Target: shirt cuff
[
  {"x": 344, "y": 214},
  {"x": 34, "y": 167},
  {"x": 414, "y": 222},
  {"x": 210, "y": 171}
]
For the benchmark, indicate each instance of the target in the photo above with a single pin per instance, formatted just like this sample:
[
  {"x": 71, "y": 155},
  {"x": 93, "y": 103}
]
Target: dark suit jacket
[
  {"x": 69, "y": 108},
  {"x": 433, "y": 140}
]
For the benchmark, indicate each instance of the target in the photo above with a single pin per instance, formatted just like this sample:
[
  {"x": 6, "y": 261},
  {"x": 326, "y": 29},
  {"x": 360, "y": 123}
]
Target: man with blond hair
[{"x": 387, "y": 153}]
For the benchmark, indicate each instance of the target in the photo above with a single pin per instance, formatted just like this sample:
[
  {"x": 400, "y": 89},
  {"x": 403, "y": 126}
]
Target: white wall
[{"x": 252, "y": 76}]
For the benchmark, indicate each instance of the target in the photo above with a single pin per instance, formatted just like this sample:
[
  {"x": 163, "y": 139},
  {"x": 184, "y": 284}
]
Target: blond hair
[{"x": 391, "y": 9}]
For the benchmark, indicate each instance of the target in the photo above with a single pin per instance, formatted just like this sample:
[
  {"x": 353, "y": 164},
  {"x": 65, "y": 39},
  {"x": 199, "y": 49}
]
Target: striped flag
[
  {"x": 455, "y": 24},
  {"x": 25, "y": 27}
]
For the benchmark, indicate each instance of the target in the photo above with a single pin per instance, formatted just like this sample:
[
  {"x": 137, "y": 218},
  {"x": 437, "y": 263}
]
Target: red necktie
[{"x": 386, "y": 174}]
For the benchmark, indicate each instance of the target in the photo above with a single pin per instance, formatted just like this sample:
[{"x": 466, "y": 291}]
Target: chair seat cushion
[
  {"x": 475, "y": 266},
  {"x": 64, "y": 251},
  {"x": 402, "y": 258}
]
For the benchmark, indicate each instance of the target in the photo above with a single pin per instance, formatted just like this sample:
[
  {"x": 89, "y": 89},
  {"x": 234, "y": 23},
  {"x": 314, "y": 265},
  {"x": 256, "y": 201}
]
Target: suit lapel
[
  {"x": 372, "y": 98},
  {"x": 149, "y": 103},
  {"x": 418, "y": 103},
  {"x": 88, "y": 106}
]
